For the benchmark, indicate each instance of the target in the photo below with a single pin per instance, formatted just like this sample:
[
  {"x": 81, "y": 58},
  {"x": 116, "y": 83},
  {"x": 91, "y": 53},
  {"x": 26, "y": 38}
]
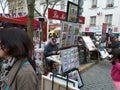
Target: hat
[{"x": 54, "y": 40}]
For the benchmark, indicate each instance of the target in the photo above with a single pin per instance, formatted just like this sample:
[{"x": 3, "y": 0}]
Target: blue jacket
[{"x": 49, "y": 48}]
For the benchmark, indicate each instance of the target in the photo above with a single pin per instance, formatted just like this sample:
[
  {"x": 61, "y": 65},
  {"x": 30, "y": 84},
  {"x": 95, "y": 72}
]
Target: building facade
[
  {"x": 99, "y": 12},
  {"x": 17, "y": 7}
]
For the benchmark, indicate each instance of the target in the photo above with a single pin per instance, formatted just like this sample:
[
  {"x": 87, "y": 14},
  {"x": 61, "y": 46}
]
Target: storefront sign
[
  {"x": 81, "y": 20},
  {"x": 55, "y": 14},
  {"x": 60, "y": 15},
  {"x": 97, "y": 29}
]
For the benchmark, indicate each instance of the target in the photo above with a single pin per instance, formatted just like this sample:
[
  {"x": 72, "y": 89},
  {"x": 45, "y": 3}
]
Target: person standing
[
  {"x": 114, "y": 44},
  {"x": 18, "y": 73},
  {"x": 115, "y": 71}
]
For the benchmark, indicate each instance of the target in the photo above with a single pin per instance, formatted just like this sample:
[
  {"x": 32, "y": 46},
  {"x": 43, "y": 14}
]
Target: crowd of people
[{"x": 18, "y": 71}]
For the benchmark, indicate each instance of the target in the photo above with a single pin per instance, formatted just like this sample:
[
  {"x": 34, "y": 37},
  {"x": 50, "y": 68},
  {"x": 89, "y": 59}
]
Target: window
[
  {"x": 22, "y": 9},
  {"x": 75, "y": 1},
  {"x": 63, "y": 5},
  {"x": 92, "y": 20},
  {"x": 94, "y": 4},
  {"x": 108, "y": 19},
  {"x": 110, "y": 3}
]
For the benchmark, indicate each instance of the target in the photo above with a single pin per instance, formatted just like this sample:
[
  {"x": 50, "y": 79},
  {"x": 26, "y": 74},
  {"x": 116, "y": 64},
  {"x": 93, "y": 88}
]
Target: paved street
[{"x": 98, "y": 77}]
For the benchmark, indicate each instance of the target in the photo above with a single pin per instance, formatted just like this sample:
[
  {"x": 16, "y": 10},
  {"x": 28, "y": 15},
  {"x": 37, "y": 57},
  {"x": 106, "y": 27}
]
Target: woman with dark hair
[{"x": 18, "y": 73}]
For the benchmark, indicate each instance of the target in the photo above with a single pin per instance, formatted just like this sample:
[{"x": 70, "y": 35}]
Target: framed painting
[{"x": 72, "y": 12}]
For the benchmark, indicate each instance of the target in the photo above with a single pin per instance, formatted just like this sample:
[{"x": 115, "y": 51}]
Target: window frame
[
  {"x": 93, "y": 21},
  {"x": 110, "y": 3},
  {"x": 108, "y": 19},
  {"x": 94, "y": 4}
]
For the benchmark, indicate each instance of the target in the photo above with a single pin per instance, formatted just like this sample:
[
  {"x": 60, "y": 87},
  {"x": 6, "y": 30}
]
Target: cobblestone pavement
[{"x": 98, "y": 77}]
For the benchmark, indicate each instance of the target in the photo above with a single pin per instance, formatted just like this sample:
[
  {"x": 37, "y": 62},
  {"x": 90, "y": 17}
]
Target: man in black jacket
[{"x": 51, "y": 49}]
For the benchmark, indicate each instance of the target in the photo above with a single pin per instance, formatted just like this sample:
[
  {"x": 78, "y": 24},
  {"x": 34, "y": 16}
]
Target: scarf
[{"x": 6, "y": 67}]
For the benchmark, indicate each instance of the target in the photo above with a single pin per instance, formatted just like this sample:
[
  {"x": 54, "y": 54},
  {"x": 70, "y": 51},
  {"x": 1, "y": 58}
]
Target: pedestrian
[
  {"x": 115, "y": 71},
  {"x": 114, "y": 44},
  {"x": 51, "y": 49},
  {"x": 18, "y": 73}
]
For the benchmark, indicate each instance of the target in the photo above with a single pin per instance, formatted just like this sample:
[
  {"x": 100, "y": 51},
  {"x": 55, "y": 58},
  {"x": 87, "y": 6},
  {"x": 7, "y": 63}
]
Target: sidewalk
[{"x": 84, "y": 67}]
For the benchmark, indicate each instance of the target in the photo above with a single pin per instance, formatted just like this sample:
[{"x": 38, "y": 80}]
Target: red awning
[
  {"x": 21, "y": 21},
  {"x": 3, "y": 19},
  {"x": 25, "y": 20}
]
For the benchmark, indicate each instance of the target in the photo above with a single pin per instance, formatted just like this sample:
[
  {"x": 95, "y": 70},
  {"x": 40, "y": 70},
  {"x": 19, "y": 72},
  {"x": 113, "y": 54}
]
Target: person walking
[
  {"x": 18, "y": 73},
  {"x": 115, "y": 71}
]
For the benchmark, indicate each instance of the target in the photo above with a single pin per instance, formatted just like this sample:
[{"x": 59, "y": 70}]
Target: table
[{"x": 56, "y": 59}]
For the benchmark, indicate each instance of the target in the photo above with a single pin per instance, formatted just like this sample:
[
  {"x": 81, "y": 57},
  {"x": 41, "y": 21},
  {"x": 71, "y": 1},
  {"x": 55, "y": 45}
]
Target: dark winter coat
[{"x": 49, "y": 48}]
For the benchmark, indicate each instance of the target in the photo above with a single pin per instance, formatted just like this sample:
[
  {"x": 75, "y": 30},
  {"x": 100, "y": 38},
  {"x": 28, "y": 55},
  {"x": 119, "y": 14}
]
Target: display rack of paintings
[
  {"x": 70, "y": 64},
  {"x": 89, "y": 43},
  {"x": 69, "y": 34},
  {"x": 70, "y": 59}
]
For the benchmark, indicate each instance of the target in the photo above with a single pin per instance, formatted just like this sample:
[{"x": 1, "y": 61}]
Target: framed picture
[
  {"x": 75, "y": 75},
  {"x": 69, "y": 34},
  {"x": 70, "y": 59},
  {"x": 72, "y": 12}
]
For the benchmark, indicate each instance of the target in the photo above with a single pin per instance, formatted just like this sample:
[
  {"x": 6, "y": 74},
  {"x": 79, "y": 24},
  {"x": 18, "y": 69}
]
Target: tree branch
[{"x": 37, "y": 12}]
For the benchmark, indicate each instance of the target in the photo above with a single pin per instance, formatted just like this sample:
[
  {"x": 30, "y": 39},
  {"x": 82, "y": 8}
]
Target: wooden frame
[
  {"x": 72, "y": 12},
  {"x": 75, "y": 75},
  {"x": 47, "y": 84}
]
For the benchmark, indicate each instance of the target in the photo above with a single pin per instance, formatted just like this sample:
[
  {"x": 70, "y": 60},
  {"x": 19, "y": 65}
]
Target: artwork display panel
[
  {"x": 89, "y": 43},
  {"x": 75, "y": 75},
  {"x": 70, "y": 59},
  {"x": 69, "y": 34}
]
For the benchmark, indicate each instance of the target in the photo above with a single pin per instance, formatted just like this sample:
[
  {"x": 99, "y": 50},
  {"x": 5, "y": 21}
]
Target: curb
[{"x": 84, "y": 67}]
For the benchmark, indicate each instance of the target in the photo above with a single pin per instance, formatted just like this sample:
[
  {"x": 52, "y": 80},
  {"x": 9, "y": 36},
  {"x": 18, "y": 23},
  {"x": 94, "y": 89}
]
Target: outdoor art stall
[{"x": 67, "y": 76}]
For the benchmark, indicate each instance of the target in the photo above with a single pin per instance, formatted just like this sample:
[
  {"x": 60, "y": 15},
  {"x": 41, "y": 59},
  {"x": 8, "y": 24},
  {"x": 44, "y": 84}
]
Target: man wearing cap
[{"x": 51, "y": 49}]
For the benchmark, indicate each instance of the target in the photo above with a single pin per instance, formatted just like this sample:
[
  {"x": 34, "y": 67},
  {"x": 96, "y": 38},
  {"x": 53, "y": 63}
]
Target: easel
[
  {"x": 67, "y": 79},
  {"x": 67, "y": 73}
]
